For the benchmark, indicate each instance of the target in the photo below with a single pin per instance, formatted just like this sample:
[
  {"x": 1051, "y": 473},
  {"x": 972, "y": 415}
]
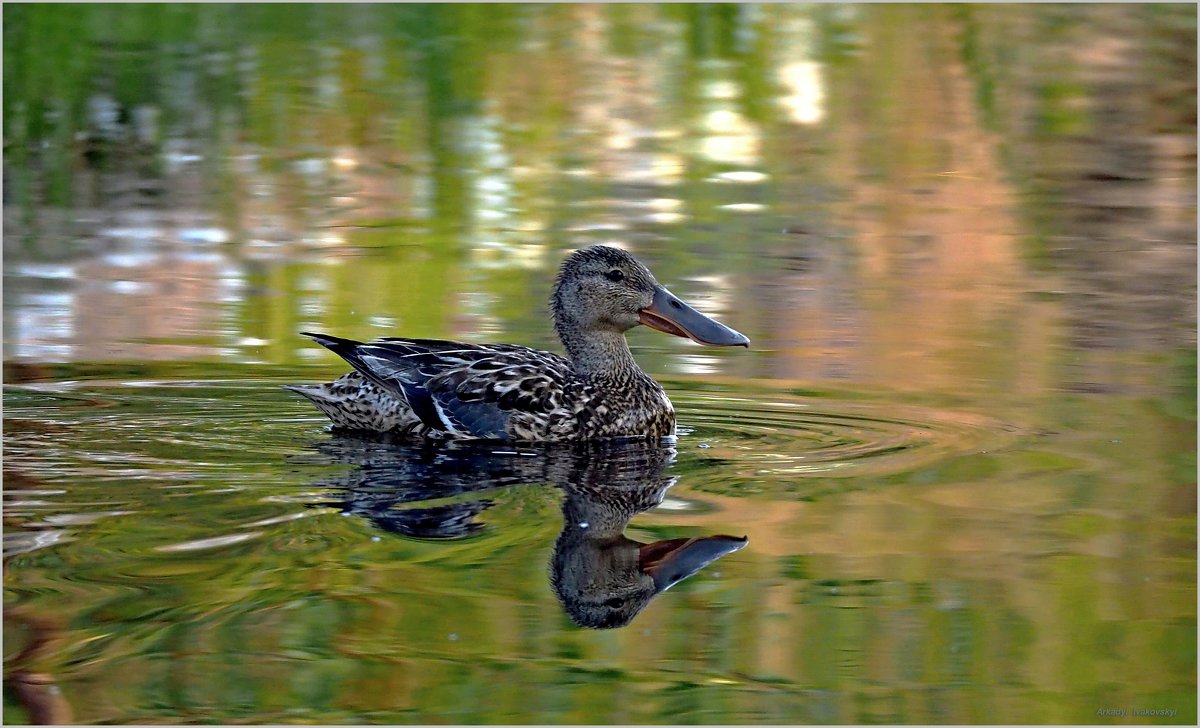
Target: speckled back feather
[{"x": 436, "y": 388}]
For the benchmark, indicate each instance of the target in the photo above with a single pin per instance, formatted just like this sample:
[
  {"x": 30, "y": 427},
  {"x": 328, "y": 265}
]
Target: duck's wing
[{"x": 463, "y": 390}]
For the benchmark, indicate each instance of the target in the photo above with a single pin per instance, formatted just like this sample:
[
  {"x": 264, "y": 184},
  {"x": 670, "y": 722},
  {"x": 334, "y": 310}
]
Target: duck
[{"x": 449, "y": 390}]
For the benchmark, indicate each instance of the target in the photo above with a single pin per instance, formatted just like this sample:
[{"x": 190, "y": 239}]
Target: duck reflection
[
  {"x": 425, "y": 491},
  {"x": 601, "y": 577}
]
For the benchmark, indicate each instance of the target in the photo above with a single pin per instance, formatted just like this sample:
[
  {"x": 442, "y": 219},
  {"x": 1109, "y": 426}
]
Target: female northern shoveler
[{"x": 449, "y": 390}]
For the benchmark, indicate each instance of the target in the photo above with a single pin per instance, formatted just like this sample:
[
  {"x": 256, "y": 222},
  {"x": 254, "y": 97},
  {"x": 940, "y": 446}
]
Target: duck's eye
[{"x": 615, "y": 275}]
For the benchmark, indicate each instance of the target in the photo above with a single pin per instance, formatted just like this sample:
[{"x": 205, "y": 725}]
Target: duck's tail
[
  {"x": 336, "y": 344},
  {"x": 354, "y": 403},
  {"x": 314, "y": 392},
  {"x": 326, "y": 397}
]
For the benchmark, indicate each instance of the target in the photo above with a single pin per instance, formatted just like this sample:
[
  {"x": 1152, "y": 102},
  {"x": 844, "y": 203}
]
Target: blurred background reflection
[{"x": 962, "y": 239}]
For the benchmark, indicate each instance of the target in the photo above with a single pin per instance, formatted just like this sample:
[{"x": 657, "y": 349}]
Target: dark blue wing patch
[{"x": 481, "y": 419}]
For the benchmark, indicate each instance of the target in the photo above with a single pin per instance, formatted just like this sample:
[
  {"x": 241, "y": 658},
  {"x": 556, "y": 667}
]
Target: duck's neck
[{"x": 599, "y": 354}]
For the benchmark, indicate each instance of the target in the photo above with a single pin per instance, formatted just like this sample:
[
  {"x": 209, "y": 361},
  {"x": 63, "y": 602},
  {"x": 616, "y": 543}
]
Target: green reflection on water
[
  {"x": 964, "y": 449},
  {"x": 936, "y": 593}
]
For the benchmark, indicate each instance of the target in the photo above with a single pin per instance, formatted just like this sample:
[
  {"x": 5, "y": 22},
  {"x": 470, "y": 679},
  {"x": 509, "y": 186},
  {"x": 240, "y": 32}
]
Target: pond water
[{"x": 953, "y": 479}]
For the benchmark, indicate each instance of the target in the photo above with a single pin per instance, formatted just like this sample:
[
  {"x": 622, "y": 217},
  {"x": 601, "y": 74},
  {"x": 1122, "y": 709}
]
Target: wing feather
[{"x": 460, "y": 389}]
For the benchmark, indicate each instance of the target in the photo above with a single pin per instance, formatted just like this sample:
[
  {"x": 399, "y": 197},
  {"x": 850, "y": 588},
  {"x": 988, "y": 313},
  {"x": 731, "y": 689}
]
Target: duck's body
[
  {"x": 445, "y": 389},
  {"x": 486, "y": 391}
]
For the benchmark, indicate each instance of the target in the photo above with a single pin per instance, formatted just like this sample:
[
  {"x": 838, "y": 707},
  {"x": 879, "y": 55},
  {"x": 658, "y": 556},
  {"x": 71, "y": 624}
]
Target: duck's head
[{"x": 604, "y": 289}]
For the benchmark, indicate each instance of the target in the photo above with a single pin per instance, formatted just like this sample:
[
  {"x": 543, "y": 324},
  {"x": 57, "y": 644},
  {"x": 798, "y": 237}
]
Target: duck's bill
[
  {"x": 672, "y": 316},
  {"x": 670, "y": 562}
]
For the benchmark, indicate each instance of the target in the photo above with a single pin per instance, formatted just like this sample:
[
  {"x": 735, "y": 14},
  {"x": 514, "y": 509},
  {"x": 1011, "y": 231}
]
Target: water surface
[{"x": 961, "y": 450}]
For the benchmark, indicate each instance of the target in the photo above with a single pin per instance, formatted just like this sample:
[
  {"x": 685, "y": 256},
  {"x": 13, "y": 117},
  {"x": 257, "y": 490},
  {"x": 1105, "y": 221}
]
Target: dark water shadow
[{"x": 436, "y": 491}]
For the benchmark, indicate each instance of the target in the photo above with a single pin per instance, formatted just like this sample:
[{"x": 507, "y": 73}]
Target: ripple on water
[
  {"x": 191, "y": 496},
  {"x": 765, "y": 433},
  {"x": 777, "y": 435},
  {"x": 143, "y": 446}
]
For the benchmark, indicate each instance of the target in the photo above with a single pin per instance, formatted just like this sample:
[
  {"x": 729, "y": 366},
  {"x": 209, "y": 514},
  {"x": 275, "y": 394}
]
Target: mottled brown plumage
[{"x": 445, "y": 389}]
